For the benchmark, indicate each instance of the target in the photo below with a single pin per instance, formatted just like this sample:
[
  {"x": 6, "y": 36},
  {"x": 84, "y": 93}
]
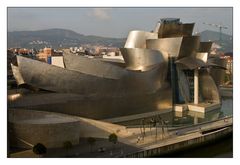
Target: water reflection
[{"x": 190, "y": 117}]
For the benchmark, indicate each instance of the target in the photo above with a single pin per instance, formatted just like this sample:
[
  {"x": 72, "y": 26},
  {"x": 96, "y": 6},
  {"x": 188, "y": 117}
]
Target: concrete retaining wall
[
  {"x": 27, "y": 128},
  {"x": 181, "y": 145},
  {"x": 51, "y": 135}
]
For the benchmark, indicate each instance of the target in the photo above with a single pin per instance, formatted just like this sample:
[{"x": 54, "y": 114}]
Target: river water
[
  {"x": 222, "y": 148},
  {"x": 194, "y": 117}
]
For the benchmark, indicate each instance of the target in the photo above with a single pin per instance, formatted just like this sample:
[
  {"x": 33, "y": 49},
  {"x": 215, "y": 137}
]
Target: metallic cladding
[
  {"x": 137, "y": 39},
  {"x": 94, "y": 67},
  {"x": 53, "y": 78},
  {"x": 175, "y": 30},
  {"x": 176, "y": 46},
  {"x": 218, "y": 74},
  {"x": 205, "y": 47},
  {"x": 141, "y": 59},
  {"x": 208, "y": 88},
  {"x": 17, "y": 74},
  {"x": 138, "y": 84}
]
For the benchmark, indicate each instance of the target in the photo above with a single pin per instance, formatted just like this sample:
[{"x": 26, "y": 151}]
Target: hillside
[
  {"x": 57, "y": 38},
  {"x": 227, "y": 40},
  {"x": 66, "y": 38}
]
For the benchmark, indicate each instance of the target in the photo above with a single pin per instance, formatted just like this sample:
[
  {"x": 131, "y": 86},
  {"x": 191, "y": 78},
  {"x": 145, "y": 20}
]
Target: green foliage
[
  {"x": 113, "y": 138},
  {"x": 39, "y": 149}
]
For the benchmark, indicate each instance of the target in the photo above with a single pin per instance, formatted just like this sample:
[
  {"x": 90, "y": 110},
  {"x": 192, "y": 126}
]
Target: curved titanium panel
[
  {"x": 202, "y": 56},
  {"x": 137, "y": 39},
  {"x": 94, "y": 67},
  {"x": 156, "y": 29},
  {"x": 53, "y": 78},
  {"x": 189, "y": 46},
  {"x": 205, "y": 47},
  {"x": 184, "y": 87},
  {"x": 171, "y": 46},
  {"x": 208, "y": 88},
  {"x": 141, "y": 59},
  {"x": 177, "y": 47},
  {"x": 200, "y": 61},
  {"x": 175, "y": 30},
  {"x": 17, "y": 74},
  {"x": 190, "y": 63},
  {"x": 218, "y": 74}
]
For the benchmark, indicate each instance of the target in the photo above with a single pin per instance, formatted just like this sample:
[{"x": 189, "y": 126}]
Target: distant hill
[
  {"x": 226, "y": 43},
  {"x": 57, "y": 38},
  {"x": 67, "y": 38}
]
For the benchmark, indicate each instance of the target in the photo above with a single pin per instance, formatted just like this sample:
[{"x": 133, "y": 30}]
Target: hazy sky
[{"x": 114, "y": 22}]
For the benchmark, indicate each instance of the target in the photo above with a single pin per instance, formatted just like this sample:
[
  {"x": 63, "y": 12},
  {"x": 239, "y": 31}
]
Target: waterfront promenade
[{"x": 154, "y": 142}]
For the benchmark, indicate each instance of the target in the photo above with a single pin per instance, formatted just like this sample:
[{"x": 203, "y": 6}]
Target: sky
[{"x": 114, "y": 22}]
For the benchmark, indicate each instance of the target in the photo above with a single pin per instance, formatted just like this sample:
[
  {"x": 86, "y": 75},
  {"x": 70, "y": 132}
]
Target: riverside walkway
[
  {"x": 178, "y": 138},
  {"x": 154, "y": 142}
]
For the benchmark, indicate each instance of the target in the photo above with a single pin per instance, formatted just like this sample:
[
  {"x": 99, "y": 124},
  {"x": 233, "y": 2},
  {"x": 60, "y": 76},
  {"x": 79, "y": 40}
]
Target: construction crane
[{"x": 218, "y": 26}]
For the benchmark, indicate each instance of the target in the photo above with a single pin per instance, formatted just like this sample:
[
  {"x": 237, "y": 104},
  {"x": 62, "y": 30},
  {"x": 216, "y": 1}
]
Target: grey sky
[{"x": 113, "y": 22}]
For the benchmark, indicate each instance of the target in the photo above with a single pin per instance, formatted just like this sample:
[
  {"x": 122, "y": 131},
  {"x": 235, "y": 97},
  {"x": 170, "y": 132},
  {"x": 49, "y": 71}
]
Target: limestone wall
[
  {"x": 51, "y": 135},
  {"x": 29, "y": 127},
  {"x": 26, "y": 130}
]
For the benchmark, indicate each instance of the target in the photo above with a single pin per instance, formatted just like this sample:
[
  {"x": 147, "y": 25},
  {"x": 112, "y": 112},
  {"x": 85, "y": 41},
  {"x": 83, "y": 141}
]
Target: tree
[
  {"x": 113, "y": 138},
  {"x": 91, "y": 141},
  {"x": 39, "y": 149},
  {"x": 67, "y": 145}
]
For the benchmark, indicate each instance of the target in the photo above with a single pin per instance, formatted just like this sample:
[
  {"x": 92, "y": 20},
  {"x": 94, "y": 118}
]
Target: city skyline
[{"x": 114, "y": 22}]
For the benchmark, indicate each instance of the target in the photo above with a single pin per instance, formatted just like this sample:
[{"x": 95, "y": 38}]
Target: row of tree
[
  {"x": 40, "y": 149},
  {"x": 113, "y": 138}
]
